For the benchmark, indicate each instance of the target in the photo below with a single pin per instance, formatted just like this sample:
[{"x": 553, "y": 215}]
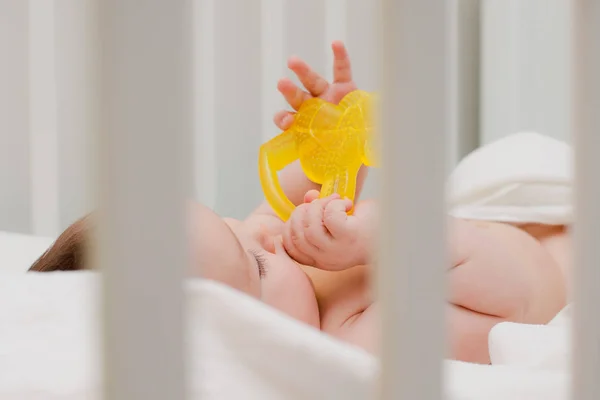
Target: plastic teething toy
[{"x": 331, "y": 141}]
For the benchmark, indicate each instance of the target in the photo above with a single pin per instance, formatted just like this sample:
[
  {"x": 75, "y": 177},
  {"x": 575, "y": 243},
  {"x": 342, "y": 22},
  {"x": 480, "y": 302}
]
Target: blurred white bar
[
  {"x": 43, "y": 155},
  {"x": 238, "y": 116},
  {"x": 525, "y": 61},
  {"x": 146, "y": 127},
  {"x": 335, "y": 29},
  {"x": 363, "y": 33},
  {"x": 76, "y": 47},
  {"x": 413, "y": 260},
  {"x": 15, "y": 186},
  {"x": 273, "y": 63},
  {"x": 205, "y": 159},
  {"x": 586, "y": 360},
  {"x": 304, "y": 34},
  {"x": 464, "y": 79}
]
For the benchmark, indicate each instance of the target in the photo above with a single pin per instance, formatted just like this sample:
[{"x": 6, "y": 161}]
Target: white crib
[{"x": 207, "y": 77}]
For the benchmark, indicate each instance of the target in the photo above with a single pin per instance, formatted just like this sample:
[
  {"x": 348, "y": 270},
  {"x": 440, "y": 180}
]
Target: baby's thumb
[{"x": 311, "y": 195}]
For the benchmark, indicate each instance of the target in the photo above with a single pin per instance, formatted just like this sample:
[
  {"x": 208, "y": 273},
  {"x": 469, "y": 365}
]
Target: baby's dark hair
[{"x": 68, "y": 252}]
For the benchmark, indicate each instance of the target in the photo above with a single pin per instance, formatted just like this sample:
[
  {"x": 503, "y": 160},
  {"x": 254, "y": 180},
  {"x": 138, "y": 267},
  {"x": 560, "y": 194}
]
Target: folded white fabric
[
  {"x": 522, "y": 178},
  {"x": 535, "y": 346},
  {"x": 238, "y": 348}
]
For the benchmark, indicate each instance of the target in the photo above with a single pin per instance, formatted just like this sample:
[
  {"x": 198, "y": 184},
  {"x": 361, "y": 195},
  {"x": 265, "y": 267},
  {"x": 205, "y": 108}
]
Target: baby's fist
[{"x": 320, "y": 233}]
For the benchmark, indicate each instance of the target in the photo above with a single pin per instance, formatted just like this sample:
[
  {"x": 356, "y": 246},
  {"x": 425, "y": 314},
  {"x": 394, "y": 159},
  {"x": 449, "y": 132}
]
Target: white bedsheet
[{"x": 239, "y": 348}]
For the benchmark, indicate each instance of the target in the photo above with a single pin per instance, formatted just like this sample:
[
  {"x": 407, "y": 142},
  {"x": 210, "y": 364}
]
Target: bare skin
[
  {"x": 498, "y": 272},
  {"x": 316, "y": 268}
]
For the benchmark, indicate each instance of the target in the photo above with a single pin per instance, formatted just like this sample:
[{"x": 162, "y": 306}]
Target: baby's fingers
[
  {"x": 313, "y": 82},
  {"x": 283, "y": 119},
  {"x": 335, "y": 217},
  {"x": 294, "y": 242},
  {"x": 292, "y": 93},
  {"x": 314, "y": 227},
  {"x": 311, "y": 196},
  {"x": 342, "y": 69}
]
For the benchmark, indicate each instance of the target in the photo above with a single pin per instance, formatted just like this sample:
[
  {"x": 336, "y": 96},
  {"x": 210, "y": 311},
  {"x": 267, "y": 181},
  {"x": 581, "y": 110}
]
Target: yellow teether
[{"x": 331, "y": 141}]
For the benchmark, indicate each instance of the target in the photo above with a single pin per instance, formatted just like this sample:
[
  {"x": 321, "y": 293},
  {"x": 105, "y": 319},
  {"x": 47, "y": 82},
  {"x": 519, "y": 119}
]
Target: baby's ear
[{"x": 311, "y": 195}]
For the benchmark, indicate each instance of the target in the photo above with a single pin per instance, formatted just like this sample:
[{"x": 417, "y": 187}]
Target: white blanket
[
  {"x": 239, "y": 349},
  {"x": 522, "y": 178},
  {"x": 533, "y": 346}
]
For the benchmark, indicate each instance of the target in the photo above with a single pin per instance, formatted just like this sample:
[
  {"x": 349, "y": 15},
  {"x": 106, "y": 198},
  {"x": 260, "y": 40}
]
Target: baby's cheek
[{"x": 288, "y": 289}]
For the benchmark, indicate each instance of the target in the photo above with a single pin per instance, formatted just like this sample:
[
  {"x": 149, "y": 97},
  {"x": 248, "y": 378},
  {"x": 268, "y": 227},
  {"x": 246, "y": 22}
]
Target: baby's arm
[
  {"x": 320, "y": 233},
  {"x": 292, "y": 179}
]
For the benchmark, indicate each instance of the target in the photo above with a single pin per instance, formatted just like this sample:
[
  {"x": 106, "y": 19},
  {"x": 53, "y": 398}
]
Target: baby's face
[{"x": 247, "y": 258}]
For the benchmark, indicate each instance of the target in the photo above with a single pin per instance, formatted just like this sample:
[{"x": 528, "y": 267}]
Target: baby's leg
[{"x": 499, "y": 273}]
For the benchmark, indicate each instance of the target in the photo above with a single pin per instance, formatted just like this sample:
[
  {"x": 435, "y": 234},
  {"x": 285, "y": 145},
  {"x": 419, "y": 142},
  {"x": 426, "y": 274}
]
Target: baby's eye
[{"x": 261, "y": 262}]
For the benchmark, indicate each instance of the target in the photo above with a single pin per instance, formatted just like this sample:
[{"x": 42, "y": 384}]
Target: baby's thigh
[{"x": 502, "y": 271}]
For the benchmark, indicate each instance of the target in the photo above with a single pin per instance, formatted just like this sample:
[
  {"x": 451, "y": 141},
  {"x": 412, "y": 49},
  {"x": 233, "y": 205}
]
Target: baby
[{"x": 315, "y": 267}]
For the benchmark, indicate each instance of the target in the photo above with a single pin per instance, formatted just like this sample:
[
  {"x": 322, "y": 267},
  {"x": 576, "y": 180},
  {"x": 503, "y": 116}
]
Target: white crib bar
[
  {"x": 586, "y": 338},
  {"x": 411, "y": 275},
  {"x": 144, "y": 173}
]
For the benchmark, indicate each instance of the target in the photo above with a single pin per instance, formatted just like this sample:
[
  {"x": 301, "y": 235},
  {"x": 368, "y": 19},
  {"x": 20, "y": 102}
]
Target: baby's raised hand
[
  {"x": 320, "y": 233},
  {"x": 315, "y": 84}
]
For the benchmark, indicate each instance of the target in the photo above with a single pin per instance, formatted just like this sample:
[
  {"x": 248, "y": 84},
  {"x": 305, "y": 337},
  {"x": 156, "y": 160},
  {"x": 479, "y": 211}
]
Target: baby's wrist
[
  {"x": 362, "y": 254},
  {"x": 366, "y": 241}
]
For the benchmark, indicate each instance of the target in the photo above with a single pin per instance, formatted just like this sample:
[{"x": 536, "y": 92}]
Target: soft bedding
[{"x": 239, "y": 348}]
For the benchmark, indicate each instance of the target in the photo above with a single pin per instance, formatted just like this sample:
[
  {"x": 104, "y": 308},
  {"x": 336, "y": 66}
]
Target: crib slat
[
  {"x": 144, "y": 173},
  {"x": 15, "y": 194},
  {"x": 205, "y": 159},
  {"x": 238, "y": 118},
  {"x": 307, "y": 43},
  {"x": 525, "y": 77},
  {"x": 464, "y": 80},
  {"x": 336, "y": 28},
  {"x": 363, "y": 30},
  {"x": 586, "y": 336},
  {"x": 413, "y": 259},
  {"x": 273, "y": 27},
  {"x": 43, "y": 124},
  {"x": 75, "y": 47}
]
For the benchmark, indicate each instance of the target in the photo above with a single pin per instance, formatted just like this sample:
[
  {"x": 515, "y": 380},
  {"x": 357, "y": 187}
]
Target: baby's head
[{"x": 239, "y": 254}]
